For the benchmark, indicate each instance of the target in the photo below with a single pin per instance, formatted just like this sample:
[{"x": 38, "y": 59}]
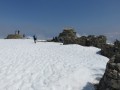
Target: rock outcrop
[
  {"x": 67, "y": 33},
  {"x": 117, "y": 46},
  {"x": 68, "y": 36},
  {"x": 81, "y": 40},
  {"x": 14, "y": 36},
  {"x": 111, "y": 78},
  {"x": 109, "y": 50}
]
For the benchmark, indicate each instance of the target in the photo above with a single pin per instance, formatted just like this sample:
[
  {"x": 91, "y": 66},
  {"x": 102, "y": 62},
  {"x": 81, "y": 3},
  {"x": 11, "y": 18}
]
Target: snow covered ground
[{"x": 48, "y": 66}]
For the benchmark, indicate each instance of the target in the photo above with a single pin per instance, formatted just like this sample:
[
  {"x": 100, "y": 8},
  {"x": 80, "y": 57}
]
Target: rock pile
[{"x": 111, "y": 78}]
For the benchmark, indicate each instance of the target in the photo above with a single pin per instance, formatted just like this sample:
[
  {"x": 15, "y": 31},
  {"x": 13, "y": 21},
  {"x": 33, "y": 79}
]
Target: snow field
[{"x": 48, "y": 66}]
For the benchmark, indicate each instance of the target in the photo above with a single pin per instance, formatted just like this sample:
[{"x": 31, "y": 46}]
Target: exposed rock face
[
  {"x": 111, "y": 78},
  {"x": 14, "y": 36}
]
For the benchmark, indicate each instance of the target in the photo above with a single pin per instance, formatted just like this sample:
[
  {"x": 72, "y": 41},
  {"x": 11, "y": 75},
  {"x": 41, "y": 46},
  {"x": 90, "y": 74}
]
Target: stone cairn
[{"x": 111, "y": 78}]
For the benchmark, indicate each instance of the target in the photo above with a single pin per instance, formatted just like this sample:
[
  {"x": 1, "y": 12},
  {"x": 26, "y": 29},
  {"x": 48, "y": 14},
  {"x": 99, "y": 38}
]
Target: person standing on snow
[
  {"x": 18, "y": 32},
  {"x": 35, "y": 38}
]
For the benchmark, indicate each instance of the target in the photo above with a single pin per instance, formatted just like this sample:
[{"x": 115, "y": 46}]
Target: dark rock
[
  {"x": 81, "y": 41},
  {"x": 14, "y": 36},
  {"x": 117, "y": 58},
  {"x": 68, "y": 36},
  {"x": 67, "y": 33},
  {"x": 117, "y": 43},
  {"x": 111, "y": 78},
  {"x": 108, "y": 50}
]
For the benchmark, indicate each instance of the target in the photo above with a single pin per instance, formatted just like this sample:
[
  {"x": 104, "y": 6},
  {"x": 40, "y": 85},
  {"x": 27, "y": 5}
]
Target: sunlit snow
[{"x": 25, "y": 65}]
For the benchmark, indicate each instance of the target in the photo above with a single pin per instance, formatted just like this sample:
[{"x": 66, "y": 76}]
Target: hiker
[
  {"x": 35, "y": 38},
  {"x": 18, "y": 32}
]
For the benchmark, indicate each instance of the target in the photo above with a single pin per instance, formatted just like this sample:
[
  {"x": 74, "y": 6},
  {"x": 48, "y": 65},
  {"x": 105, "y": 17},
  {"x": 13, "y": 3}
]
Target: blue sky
[{"x": 47, "y": 18}]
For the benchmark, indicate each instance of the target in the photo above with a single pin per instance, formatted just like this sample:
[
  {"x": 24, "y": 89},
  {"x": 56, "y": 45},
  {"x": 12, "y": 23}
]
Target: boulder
[
  {"x": 68, "y": 33},
  {"x": 111, "y": 78},
  {"x": 68, "y": 36}
]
